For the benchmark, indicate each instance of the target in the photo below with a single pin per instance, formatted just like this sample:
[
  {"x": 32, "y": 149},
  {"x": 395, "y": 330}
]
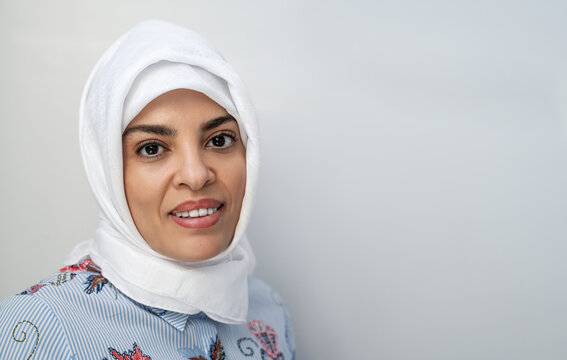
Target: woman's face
[{"x": 184, "y": 175}]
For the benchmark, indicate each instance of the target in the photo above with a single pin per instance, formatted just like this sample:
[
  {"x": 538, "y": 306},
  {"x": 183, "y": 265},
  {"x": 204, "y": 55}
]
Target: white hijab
[{"x": 152, "y": 58}]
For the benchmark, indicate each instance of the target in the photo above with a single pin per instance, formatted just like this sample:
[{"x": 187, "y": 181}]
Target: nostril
[{"x": 194, "y": 177}]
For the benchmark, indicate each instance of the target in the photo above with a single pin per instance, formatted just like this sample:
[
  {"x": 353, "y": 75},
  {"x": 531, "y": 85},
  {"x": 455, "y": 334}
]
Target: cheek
[
  {"x": 231, "y": 176},
  {"x": 242, "y": 180},
  {"x": 238, "y": 180},
  {"x": 142, "y": 191}
]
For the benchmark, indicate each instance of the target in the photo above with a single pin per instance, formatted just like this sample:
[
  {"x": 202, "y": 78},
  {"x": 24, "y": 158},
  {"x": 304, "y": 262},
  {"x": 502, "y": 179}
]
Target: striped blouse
[{"x": 78, "y": 314}]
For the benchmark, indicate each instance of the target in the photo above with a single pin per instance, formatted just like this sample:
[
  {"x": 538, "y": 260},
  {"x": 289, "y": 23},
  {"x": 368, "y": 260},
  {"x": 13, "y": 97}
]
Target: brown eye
[
  {"x": 221, "y": 141},
  {"x": 150, "y": 150}
]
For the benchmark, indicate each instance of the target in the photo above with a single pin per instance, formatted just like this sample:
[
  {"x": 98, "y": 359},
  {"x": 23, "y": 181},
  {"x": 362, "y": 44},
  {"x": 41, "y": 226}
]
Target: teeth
[{"x": 196, "y": 213}]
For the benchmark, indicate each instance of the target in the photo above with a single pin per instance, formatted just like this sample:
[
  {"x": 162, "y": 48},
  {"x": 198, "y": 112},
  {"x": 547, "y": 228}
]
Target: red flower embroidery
[
  {"x": 76, "y": 267},
  {"x": 135, "y": 354}
]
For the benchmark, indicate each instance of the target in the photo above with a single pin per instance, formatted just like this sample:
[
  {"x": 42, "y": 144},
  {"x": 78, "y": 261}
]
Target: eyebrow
[
  {"x": 167, "y": 131},
  {"x": 211, "y": 124},
  {"x": 152, "y": 129}
]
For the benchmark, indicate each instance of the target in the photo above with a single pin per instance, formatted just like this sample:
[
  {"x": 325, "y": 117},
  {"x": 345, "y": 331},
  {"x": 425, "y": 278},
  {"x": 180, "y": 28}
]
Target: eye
[
  {"x": 222, "y": 141},
  {"x": 150, "y": 150}
]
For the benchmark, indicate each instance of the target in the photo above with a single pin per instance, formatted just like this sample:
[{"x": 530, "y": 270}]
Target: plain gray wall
[{"x": 412, "y": 202}]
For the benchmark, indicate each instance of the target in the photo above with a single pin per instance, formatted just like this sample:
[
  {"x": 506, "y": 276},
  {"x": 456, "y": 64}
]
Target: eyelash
[
  {"x": 143, "y": 145},
  {"x": 230, "y": 135}
]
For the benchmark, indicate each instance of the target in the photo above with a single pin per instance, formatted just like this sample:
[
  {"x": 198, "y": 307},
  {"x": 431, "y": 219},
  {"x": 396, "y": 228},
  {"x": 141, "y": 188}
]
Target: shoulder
[
  {"x": 40, "y": 321},
  {"x": 262, "y": 293},
  {"x": 70, "y": 287},
  {"x": 268, "y": 313},
  {"x": 29, "y": 327},
  {"x": 262, "y": 297}
]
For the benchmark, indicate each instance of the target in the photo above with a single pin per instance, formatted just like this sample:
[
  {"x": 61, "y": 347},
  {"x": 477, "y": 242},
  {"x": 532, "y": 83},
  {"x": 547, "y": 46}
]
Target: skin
[{"x": 171, "y": 156}]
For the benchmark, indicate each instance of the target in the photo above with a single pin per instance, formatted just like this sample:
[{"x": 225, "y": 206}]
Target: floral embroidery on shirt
[
  {"x": 134, "y": 354},
  {"x": 216, "y": 352},
  {"x": 62, "y": 278},
  {"x": 246, "y": 346},
  {"x": 20, "y": 334},
  {"x": 32, "y": 289},
  {"x": 76, "y": 267},
  {"x": 266, "y": 336},
  {"x": 96, "y": 281}
]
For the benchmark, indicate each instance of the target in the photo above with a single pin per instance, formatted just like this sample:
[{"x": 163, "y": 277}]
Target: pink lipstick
[{"x": 199, "y": 214}]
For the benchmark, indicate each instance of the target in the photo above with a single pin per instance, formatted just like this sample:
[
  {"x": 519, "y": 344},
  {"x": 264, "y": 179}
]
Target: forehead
[
  {"x": 179, "y": 111},
  {"x": 180, "y": 103}
]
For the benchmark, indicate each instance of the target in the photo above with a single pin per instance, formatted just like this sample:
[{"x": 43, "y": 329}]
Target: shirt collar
[{"x": 175, "y": 319}]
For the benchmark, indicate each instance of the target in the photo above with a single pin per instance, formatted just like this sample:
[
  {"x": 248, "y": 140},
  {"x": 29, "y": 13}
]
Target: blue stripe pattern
[{"x": 77, "y": 314}]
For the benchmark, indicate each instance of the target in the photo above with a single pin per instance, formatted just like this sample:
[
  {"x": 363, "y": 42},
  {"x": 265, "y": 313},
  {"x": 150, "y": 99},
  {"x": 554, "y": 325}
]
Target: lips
[{"x": 197, "y": 214}]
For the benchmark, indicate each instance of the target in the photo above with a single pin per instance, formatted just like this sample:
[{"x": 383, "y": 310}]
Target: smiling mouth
[{"x": 196, "y": 213}]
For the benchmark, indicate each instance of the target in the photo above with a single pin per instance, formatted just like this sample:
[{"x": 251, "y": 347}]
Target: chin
[{"x": 199, "y": 251}]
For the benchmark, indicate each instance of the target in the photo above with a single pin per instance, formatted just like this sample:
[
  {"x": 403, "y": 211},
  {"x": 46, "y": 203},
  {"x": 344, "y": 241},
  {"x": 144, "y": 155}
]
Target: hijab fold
[{"x": 151, "y": 59}]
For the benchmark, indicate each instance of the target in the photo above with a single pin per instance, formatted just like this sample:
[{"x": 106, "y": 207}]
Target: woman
[{"x": 170, "y": 146}]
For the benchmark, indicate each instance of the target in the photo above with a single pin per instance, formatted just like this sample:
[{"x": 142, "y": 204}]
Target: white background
[{"x": 412, "y": 202}]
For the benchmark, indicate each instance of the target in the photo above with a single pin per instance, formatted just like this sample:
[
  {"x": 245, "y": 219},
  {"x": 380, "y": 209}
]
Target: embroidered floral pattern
[
  {"x": 216, "y": 351},
  {"x": 62, "y": 279},
  {"x": 32, "y": 289},
  {"x": 244, "y": 345},
  {"x": 266, "y": 336},
  {"x": 76, "y": 267},
  {"x": 135, "y": 354},
  {"x": 20, "y": 334},
  {"x": 94, "y": 282}
]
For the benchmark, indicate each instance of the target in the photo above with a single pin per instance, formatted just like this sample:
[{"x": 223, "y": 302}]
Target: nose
[{"x": 192, "y": 170}]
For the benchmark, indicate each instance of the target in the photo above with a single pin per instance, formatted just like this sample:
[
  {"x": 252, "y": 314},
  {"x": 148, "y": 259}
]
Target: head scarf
[{"x": 152, "y": 58}]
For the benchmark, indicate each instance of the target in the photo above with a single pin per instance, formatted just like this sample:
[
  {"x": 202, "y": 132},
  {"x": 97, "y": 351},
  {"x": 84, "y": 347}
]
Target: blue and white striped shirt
[{"x": 78, "y": 314}]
